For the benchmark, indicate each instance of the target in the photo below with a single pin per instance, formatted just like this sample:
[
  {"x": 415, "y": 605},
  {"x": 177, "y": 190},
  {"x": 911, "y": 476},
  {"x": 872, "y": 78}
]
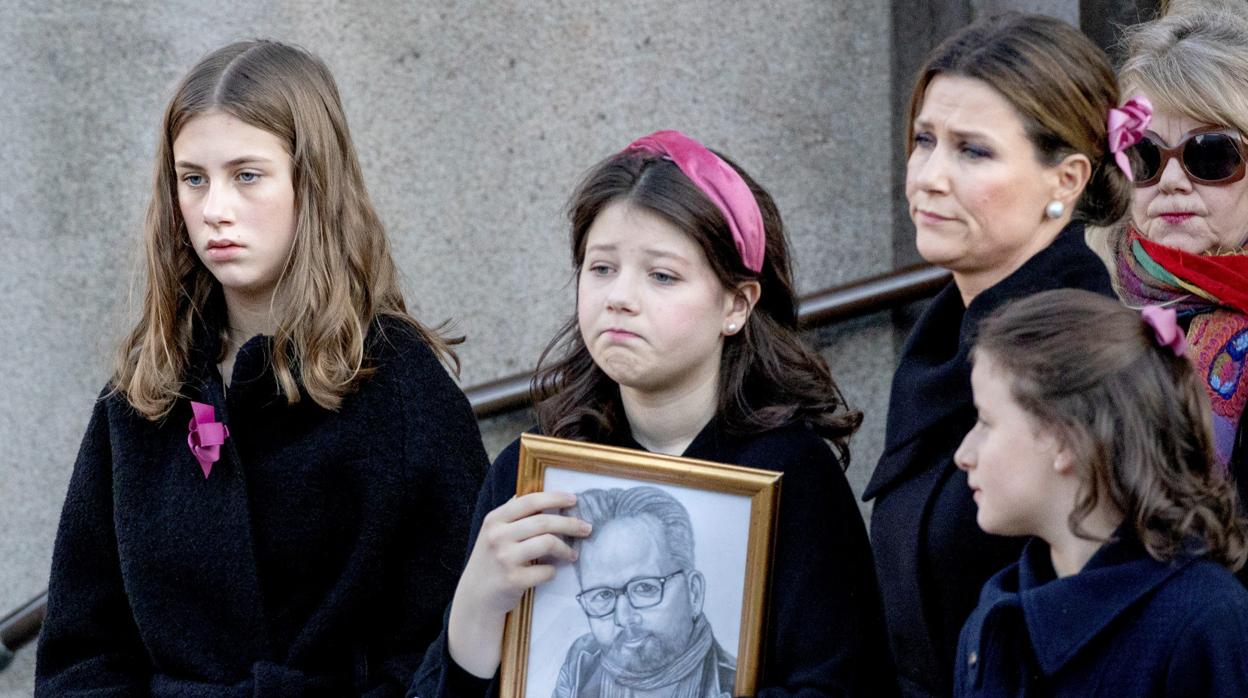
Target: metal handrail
[
  {"x": 825, "y": 307},
  {"x": 21, "y": 626}
]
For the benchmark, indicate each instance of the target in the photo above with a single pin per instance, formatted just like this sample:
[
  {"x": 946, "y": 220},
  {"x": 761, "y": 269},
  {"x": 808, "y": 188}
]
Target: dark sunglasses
[{"x": 1207, "y": 156}]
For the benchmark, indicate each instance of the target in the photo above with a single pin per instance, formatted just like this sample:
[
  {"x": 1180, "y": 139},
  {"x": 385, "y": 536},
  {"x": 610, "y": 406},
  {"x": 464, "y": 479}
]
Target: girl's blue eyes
[
  {"x": 660, "y": 277},
  {"x": 195, "y": 180}
]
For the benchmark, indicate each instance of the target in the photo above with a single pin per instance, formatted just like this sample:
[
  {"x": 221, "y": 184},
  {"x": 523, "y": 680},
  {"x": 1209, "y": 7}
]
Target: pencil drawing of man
[{"x": 642, "y": 596}]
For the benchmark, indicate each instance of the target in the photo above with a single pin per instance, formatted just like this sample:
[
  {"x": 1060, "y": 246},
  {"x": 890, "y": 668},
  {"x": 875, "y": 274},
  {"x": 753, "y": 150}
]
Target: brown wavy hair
[
  {"x": 768, "y": 377},
  {"x": 1133, "y": 413},
  {"x": 339, "y": 277},
  {"x": 1060, "y": 85}
]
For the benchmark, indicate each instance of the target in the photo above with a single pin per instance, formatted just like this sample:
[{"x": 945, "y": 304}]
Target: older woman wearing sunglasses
[
  {"x": 1009, "y": 156},
  {"x": 1184, "y": 242}
]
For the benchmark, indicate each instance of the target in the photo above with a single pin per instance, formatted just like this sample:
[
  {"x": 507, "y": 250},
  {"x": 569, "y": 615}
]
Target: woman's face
[
  {"x": 651, "y": 311},
  {"x": 1176, "y": 212},
  {"x": 976, "y": 190}
]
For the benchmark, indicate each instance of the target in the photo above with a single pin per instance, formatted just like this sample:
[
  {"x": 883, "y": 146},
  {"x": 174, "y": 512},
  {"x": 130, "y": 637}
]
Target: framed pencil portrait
[{"x": 667, "y": 594}]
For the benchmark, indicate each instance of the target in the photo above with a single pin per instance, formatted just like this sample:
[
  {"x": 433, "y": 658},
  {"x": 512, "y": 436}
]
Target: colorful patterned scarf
[{"x": 1212, "y": 290}]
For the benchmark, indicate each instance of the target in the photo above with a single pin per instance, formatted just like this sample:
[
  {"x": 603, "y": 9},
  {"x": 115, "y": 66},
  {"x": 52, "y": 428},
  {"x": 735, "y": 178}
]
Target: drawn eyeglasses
[{"x": 642, "y": 592}]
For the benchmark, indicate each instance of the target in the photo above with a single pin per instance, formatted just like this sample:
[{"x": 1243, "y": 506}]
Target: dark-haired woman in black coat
[{"x": 1008, "y": 158}]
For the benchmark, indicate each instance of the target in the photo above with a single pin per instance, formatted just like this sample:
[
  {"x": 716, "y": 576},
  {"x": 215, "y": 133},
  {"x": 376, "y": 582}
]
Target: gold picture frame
[{"x": 538, "y": 454}]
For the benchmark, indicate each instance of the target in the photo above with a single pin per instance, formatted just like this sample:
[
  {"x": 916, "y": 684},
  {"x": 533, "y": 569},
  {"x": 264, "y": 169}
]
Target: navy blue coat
[
  {"x": 315, "y": 560},
  {"x": 1125, "y": 625},
  {"x": 931, "y": 557},
  {"x": 824, "y": 626}
]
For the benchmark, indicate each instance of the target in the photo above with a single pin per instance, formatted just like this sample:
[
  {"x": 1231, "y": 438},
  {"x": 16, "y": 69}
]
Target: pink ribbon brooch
[
  {"x": 206, "y": 437},
  {"x": 1126, "y": 128},
  {"x": 1164, "y": 322}
]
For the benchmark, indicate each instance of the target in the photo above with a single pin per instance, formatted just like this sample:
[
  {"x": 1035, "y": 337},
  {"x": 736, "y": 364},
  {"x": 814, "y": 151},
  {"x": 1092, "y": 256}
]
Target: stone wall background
[{"x": 473, "y": 121}]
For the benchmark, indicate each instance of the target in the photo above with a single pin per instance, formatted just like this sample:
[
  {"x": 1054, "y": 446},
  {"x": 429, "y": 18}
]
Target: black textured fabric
[
  {"x": 824, "y": 628},
  {"x": 931, "y": 557},
  {"x": 315, "y": 560}
]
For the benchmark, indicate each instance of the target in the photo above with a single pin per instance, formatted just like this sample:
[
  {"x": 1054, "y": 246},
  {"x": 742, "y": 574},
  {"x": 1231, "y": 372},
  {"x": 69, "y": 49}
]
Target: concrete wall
[{"x": 473, "y": 120}]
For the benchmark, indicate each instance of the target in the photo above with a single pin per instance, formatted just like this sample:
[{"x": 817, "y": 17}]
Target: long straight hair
[
  {"x": 767, "y": 377},
  {"x": 339, "y": 277}
]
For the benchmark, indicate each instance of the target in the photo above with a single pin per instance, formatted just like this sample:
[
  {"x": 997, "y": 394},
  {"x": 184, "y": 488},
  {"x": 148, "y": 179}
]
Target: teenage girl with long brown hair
[{"x": 274, "y": 488}]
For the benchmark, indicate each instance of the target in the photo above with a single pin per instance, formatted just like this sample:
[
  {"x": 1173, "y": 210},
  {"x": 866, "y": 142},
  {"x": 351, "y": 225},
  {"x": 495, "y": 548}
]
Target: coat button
[{"x": 972, "y": 658}]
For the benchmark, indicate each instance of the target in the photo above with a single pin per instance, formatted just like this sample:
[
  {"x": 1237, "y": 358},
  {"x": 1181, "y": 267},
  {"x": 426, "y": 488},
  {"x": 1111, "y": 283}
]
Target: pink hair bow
[
  {"x": 1166, "y": 328},
  {"x": 1126, "y": 128},
  {"x": 721, "y": 184},
  {"x": 206, "y": 436}
]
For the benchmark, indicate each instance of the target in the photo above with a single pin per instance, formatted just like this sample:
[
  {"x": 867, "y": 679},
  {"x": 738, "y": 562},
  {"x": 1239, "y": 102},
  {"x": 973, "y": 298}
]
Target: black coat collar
[
  {"x": 1063, "y": 615},
  {"x": 932, "y": 385},
  {"x": 253, "y": 382}
]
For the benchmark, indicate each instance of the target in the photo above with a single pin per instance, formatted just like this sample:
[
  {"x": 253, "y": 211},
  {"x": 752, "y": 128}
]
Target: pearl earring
[
  {"x": 1055, "y": 209},
  {"x": 732, "y": 328}
]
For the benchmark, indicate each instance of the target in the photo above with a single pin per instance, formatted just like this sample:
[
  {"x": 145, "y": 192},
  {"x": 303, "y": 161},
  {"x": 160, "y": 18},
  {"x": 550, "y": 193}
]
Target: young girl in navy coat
[
  {"x": 273, "y": 494},
  {"x": 1094, "y": 436},
  {"x": 685, "y": 342}
]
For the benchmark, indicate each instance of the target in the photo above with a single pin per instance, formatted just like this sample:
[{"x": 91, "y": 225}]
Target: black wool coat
[
  {"x": 1125, "y": 625},
  {"x": 315, "y": 560},
  {"x": 931, "y": 557},
  {"x": 824, "y": 625}
]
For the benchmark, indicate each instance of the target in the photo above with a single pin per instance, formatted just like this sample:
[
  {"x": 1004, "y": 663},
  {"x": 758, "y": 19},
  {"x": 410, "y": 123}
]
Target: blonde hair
[
  {"x": 1193, "y": 61},
  {"x": 339, "y": 277}
]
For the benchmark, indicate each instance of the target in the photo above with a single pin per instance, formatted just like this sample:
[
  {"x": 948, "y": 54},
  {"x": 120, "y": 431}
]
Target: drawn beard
[{"x": 648, "y": 657}]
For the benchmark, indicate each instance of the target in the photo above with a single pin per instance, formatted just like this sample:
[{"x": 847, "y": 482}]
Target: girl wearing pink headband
[{"x": 684, "y": 342}]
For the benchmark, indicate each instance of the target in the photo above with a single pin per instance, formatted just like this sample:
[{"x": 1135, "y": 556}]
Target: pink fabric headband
[
  {"x": 1166, "y": 330},
  {"x": 721, "y": 184},
  {"x": 1126, "y": 128}
]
